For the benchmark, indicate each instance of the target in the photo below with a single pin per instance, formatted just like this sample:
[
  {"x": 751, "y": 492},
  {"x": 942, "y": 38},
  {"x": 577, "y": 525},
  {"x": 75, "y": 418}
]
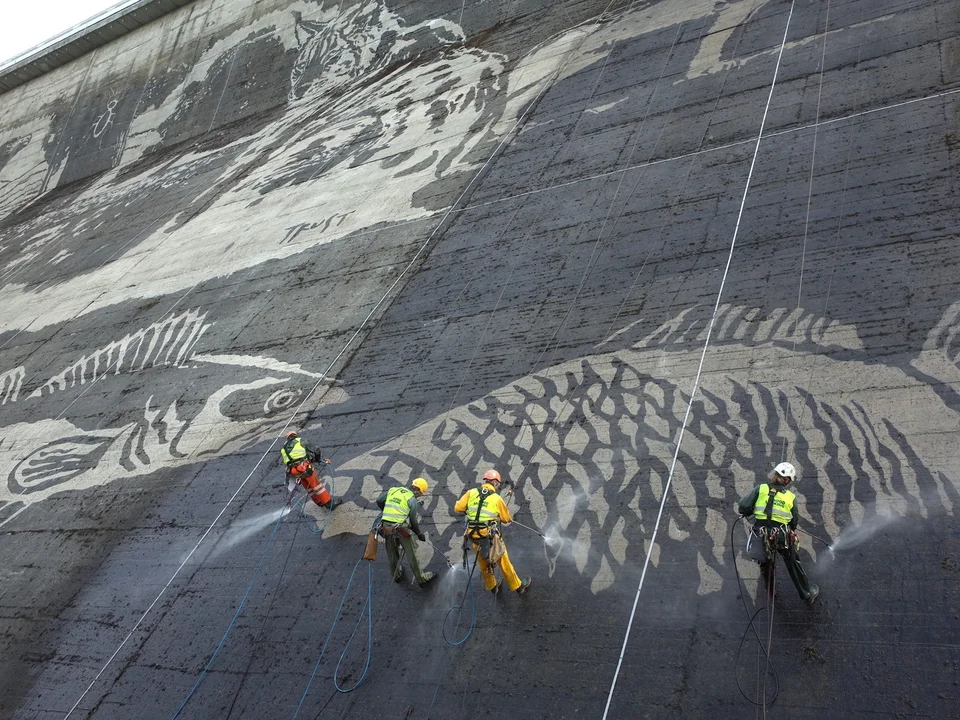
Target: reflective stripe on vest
[
  {"x": 291, "y": 452},
  {"x": 782, "y": 511},
  {"x": 488, "y": 512},
  {"x": 396, "y": 509}
]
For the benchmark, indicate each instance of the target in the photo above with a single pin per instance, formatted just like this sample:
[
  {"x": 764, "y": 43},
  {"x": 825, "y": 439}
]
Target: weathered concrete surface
[{"x": 446, "y": 236}]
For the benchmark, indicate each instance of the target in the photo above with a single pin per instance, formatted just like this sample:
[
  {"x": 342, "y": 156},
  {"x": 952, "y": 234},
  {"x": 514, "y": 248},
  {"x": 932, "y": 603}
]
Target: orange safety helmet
[
  {"x": 292, "y": 434},
  {"x": 492, "y": 476}
]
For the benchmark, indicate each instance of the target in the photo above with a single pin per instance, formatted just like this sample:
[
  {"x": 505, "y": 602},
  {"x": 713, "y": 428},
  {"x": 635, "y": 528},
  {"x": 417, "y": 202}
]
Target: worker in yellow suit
[{"x": 485, "y": 511}]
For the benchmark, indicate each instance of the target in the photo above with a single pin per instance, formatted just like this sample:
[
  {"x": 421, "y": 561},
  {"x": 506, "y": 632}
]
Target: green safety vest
[
  {"x": 782, "y": 508},
  {"x": 488, "y": 512},
  {"x": 396, "y": 509},
  {"x": 293, "y": 451}
]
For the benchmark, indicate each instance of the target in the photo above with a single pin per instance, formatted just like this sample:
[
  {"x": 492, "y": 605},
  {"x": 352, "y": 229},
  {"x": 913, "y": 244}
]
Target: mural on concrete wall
[
  {"x": 376, "y": 111},
  {"x": 590, "y": 441},
  {"x": 373, "y": 113},
  {"x": 232, "y": 402}
]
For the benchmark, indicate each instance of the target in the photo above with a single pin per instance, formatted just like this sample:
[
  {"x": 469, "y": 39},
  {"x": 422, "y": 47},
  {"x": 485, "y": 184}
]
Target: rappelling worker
[
  {"x": 398, "y": 524},
  {"x": 485, "y": 512},
  {"x": 772, "y": 507},
  {"x": 299, "y": 460}
]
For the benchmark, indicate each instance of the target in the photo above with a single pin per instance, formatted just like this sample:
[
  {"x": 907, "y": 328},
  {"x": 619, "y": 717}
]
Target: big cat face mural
[{"x": 376, "y": 110}]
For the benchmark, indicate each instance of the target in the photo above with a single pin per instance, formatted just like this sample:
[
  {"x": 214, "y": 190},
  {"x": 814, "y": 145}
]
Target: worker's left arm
[{"x": 414, "y": 517}]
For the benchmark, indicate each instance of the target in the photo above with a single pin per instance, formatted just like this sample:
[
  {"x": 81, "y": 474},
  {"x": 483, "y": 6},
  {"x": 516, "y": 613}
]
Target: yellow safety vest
[
  {"x": 293, "y": 452},
  {"x": 489, "y": 510},
  {"x": 396, "y": 509},
  {"x": 782, "y": 510}
]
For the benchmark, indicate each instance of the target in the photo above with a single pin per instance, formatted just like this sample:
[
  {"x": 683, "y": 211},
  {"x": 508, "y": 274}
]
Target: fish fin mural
[
  {"x": 10, "y": 383},
  {"x": 193, "y": 406},
  {"x": 940, "y": 355},
  {"x": 168, "y": 342}
]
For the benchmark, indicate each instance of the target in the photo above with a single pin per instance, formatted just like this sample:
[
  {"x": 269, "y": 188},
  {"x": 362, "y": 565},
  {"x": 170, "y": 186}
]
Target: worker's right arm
[
  {"x": 748, "y": 502},
  {"x": 382, "y": 500},
  {"x": 461, "y": 506}
]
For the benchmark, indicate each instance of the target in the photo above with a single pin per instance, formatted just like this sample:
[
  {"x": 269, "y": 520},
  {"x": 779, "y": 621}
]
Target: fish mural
[
  {"x": 590, "y": 440},
  {"x": 175, "y": 406}
]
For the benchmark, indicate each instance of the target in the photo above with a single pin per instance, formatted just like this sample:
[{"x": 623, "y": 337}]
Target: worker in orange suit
[
  {"x": 485, "y": 512},
  {"x": 299, "y": 460}
]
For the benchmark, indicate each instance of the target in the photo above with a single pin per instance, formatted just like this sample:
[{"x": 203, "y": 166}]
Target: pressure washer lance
[
  {"x": 439, "y": 551},
  {"x": 820, "y": 539},
  {"x": 514, "y": 522}
]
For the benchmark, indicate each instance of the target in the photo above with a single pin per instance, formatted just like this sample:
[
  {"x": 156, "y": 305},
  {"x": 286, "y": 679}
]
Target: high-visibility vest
[
  {"x": 488, "y": 510},
  {"x": 293, "y": 451},
  {"x": 396, "y": 509},
  {"x": 782, "y": 509}
]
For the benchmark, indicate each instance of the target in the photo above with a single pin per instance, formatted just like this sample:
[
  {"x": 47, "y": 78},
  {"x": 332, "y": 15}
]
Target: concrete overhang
[{"x": 80, "y": 39}]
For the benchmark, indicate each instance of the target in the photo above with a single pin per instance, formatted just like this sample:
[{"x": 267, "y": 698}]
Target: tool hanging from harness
[
  {"x": 766, "y": 540},
  {"x": 485, "y": 536}
]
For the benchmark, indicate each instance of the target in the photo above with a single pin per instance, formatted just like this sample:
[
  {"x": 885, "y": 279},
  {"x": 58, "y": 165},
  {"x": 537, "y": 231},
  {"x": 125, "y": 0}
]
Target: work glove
[{"x": 422, "y": 537}]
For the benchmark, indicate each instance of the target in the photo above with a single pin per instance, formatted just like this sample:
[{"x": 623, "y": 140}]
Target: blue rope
[
  {"x": 367, "y": 606},
  {"x": 235, "y": 616},
  {"x": 473, "y": 611}
]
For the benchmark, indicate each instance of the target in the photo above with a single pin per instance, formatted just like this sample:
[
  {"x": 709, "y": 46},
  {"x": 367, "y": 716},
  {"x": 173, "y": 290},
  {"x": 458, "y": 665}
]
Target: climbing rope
[
  {"x": 213, "y": 657},
  {"x": 751, "y": 619},
  {"x": 459, "y": 606},
  {"x": 368, "y": 607}
]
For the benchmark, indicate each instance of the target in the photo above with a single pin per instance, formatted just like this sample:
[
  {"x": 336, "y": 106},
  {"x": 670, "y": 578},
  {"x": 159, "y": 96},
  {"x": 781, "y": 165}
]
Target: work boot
[
  {"x": 399, "y": 576},
  {"x": 427, "y": 577},
  {"x": 814, "y": 594},
  {"x": 333, "y": 503},
  {"x": 524, "y": 584},
  {"x": 496, "y": 588}
]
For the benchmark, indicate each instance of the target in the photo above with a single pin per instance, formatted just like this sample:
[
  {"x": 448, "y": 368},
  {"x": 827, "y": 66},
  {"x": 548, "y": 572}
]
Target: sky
[{"x": 28, "y": 23}]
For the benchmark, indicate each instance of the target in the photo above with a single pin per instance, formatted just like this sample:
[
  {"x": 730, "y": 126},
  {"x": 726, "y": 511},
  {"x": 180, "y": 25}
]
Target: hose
[
  {"x": 473, "y": 610},
  {"x": 750, "y": 626},
  {"x": 368, "y": 606},
  {"x": 213, "y": 657}
]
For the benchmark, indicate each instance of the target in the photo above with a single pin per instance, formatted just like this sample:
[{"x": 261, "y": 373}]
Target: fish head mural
[{"x": 147, "y": 401}]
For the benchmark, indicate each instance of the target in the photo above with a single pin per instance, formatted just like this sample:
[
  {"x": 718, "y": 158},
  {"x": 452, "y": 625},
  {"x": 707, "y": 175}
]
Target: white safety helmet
[{"x": 785, "y": 470}]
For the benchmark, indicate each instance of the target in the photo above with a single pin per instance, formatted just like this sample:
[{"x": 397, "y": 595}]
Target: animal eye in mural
[{"x": 176, "y": 405}]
